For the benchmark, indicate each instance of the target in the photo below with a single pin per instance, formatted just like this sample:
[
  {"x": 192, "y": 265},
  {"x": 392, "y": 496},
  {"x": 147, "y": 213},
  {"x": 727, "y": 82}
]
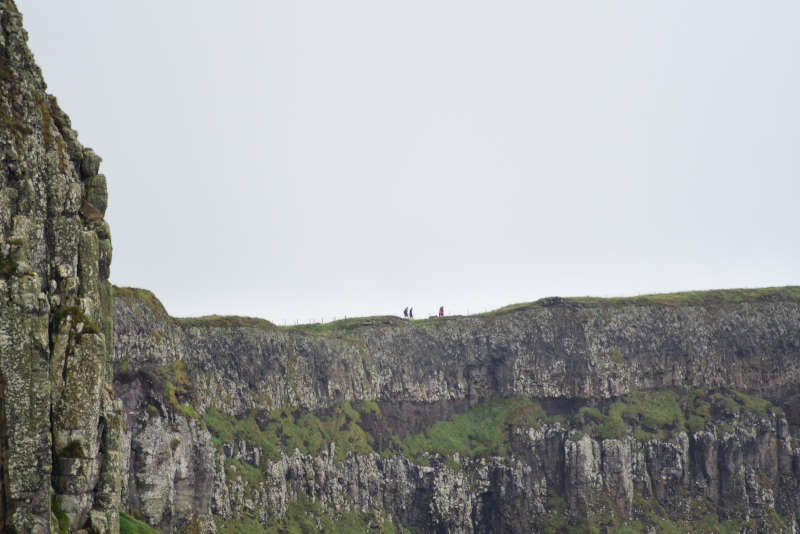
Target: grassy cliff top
[
  {"x": 717, "y": 297},
  {"x": 144, "y": 296},
  {"x": 149, "y": 299},
  {"x": 711, "y": 297}
]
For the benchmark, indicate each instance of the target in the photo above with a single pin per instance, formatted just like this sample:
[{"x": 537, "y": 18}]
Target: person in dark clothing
[
  {"x": 411, "y": 313},
  {"x": 405, "y": 312},
  {"x": 441, "y": 311}
]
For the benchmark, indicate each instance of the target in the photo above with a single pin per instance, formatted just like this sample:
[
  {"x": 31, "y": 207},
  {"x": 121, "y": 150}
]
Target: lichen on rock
[
  {"x": 544, "y": 417},
  {"x": 59, "y": 424}
]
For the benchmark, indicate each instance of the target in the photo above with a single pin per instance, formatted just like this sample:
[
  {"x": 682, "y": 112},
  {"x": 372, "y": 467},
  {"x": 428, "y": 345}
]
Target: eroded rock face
[
  {"x": 744, "y": 469},
  {"x": 65, "y": 435},
  {"x": 567, "y": 351},
  {"x": 59, "y": 424}
]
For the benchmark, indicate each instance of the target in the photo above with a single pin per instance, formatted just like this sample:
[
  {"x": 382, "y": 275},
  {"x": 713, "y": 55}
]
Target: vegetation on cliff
[
  {"x": 715, "y": 297},
  {"x": 660, "y": 414},
  {"x": 707, "y": 298},
  {"x": 305, "y": 516},
  {"x": 129, "y": 525},
  {"x": 287, "y": 429},
  {"x": 485, "y": 430},
  {"x": 596, "y": 406}
]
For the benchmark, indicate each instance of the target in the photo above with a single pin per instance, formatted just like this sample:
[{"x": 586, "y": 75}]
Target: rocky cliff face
[
  {"x": 640, "y": 418},
  {"x": 660, "y": 414},
  {"x": 59, "y": 425}
]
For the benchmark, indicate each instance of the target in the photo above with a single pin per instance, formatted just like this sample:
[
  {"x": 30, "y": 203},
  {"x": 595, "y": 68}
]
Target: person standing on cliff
[
  {"x": 411, "y": 313},
  {"x": 441, "y": 311},
  {"x": 405, "y": 312}
]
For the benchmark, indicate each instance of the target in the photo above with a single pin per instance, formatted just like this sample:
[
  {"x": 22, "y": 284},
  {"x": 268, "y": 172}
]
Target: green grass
[
  {"x": 239, "y": 525},
  {"x": 225, "y": 321},
  {"x": 177, "y": 385},
  {"x": 485, "y": 429},
  {"x": 652, "y": 414},
  {"x": 224, "y": 428},
  {"x": 369, "y": 407},
  {"x": 660, "y": 414},
  {"x": 346, "y": 325},
  {"x": 286, "y": 429},
  {"x": 555, "y": 518},
  {"x": 129, "y": 525},
  {"x": 142, "y": 295},
  {"x": 311, "y": 434},
  {"x": 305, "y": 516},
  {"x": 685, "y": 298},
  {"x": 756, "y": 405},
  {"x": 482, "y": 431},
  {"x": 649, "y": 516},
  {"x": 236, "y": 468},
  {"x": 701, "y": 518}
]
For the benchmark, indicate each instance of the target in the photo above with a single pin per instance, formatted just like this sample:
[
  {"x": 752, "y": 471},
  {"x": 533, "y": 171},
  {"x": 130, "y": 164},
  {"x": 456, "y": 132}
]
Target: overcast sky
[{"x": 308, "y": 160}]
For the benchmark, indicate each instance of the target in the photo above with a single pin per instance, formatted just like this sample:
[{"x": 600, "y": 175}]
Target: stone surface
[
  {"x": 567, "y": 353},
  {"x": 56, "y": 402},
  {"x": 102, "y": 394}
]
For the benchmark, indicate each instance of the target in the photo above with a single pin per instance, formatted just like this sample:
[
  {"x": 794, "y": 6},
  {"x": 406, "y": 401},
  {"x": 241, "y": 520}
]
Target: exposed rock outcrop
[
  {"x": 659, "y": 414},
  {"x": 59, "y": 421},
  {"x": 735, "y": 465},
  {"x": 570, "y": 350}
]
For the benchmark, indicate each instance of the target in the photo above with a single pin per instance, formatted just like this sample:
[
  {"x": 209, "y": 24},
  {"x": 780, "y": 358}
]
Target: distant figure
[
  {"x": 441, "y": 311},
  {"x": 405, "y": 312},
  {"x": 411, "y": 313}
]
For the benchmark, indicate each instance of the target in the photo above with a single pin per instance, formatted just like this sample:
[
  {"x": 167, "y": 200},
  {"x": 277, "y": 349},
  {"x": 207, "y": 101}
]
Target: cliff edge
[
  {"x": 59, "y": 420},
  {"x": 661, "y": 413},
  {"x": 649, "y": 413}
]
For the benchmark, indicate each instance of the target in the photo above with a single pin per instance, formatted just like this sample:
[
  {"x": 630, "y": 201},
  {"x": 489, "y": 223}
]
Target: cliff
[
  {"x": 668, "y": 411},
  {"x": 59, "y": 421},
  {"x": 663, "y": 413}
]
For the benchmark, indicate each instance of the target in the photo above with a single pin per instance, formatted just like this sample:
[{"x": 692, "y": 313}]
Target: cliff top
[{"x": 707, "y": 298}]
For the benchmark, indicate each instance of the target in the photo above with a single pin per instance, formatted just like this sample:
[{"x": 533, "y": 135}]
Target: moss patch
[
  {"x": 129, "y": 525},
  {"x": 178, "y": 389},
  {"x": 286, "y": 429},
  {"x": 660, "y": 414},
  {"x": 652, "y": 414},
  {"x": 482, "y": 431},
  {"x": 236, "y": 469},
  {"x": 77, "y": 316},
  {"x": 486, "y": 429},
  {"x": 62, "y": 520}
]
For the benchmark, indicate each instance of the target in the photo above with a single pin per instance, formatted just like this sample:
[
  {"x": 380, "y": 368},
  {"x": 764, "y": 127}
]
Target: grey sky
[{"x": 306, "y": 160}]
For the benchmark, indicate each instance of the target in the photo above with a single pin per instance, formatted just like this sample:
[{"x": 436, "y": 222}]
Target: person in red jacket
[{"x": 441, "y": 311}]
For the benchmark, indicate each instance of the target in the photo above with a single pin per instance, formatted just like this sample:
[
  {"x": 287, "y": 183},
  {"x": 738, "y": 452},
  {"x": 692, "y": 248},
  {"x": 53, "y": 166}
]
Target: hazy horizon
[{"x": 306, "y": 161}]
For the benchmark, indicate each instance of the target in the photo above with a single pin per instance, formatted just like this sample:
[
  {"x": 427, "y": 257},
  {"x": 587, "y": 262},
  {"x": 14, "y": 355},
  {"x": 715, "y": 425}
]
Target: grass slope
[{"x": 129, "y": 525}]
